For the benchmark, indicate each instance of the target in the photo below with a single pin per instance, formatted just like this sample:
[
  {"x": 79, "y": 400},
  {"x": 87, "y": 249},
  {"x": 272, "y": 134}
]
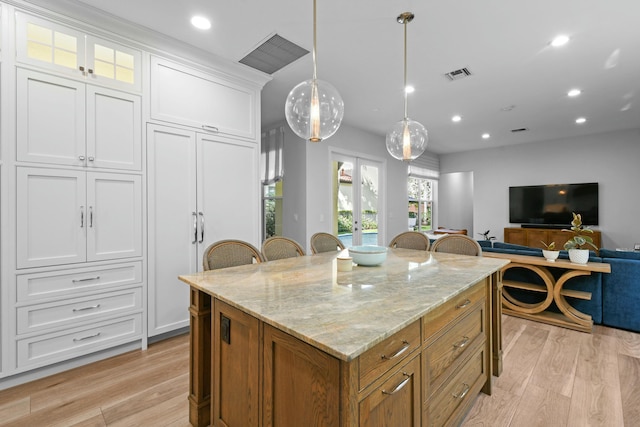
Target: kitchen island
[{"x": 295, "y": 342}]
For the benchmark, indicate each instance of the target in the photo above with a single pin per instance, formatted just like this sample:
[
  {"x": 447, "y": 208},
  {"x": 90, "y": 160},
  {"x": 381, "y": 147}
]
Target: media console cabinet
[{"x": 533, "y": 237}]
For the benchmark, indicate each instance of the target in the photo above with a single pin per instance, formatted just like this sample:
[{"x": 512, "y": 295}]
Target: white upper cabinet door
[
  {"x": 51, "y": 217},
  {"x": 192, "y": 98},
  {"x": 114, "y": 216},
  {"x": 50, "y": 119},
  {"x": 62, "y": 49},
  {"x": 114, "y": 137},
  {"x": 228, "y": 190}
]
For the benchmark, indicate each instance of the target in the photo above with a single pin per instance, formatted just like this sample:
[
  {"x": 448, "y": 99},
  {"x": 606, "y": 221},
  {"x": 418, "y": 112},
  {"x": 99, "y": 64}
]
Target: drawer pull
[
  {"x": 399, "y": 386},
  {"x": 464, "y": 304},
  {"x": 210, "y": 128},
  {"x": 462, "y": 343},
  {"x": 399, "y": 352},
  {"x": 85, "y": 280},
  {"x": 86, "y": 338},
  {"x": 86, "y": 308},
  {"x": 463, "y": 393}
]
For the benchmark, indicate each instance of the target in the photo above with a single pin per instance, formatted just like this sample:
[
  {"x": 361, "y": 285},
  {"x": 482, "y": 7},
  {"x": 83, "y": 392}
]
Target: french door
[{"x": 358, "y": 199}]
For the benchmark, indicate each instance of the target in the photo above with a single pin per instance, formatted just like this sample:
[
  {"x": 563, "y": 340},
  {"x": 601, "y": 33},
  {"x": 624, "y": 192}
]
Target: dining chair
[
  {"x": 325, "y": 242},
  {"x": 457, "y": 244},
  {"x": 229, "y": 253},
  {"x": 278, "y": 247},
  {"x": 411, "y": 240}
]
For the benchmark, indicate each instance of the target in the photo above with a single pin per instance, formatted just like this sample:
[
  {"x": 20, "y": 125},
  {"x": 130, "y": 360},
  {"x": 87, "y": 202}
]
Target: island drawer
[
  {"x": 386, "y": 354},
  {"x": 459, "y": 391},
  {"x": 455, "y": 308},
  {"x": 447, "y": 352}
]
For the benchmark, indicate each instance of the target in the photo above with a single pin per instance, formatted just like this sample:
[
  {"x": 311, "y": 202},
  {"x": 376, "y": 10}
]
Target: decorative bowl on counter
[{"x": 368, "y": 255}]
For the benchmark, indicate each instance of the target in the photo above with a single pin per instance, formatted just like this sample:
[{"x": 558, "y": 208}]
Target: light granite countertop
[{"x": 345, "y": 313}]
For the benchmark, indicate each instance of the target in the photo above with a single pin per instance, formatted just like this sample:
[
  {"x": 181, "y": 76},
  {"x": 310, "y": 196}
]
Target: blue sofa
[{"x": 615, "y": 296}]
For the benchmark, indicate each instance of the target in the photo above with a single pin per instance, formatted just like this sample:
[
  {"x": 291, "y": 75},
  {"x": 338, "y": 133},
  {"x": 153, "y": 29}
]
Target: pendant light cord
[
  {"x": 314, "y": 41},
  {"x": 406, "y": 115}
]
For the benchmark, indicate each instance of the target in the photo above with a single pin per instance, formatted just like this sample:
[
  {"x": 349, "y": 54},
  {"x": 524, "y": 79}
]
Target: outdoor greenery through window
[
  {"x": 272, "y": 210},
  {"x": 420, "y": 192}
]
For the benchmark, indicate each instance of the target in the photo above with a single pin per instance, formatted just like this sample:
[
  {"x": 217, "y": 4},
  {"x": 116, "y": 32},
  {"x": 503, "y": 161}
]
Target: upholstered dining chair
[
  {"x": 325, "y": 242},
  {"x": 278, "y": 247},
  {"x": 457, "y": 244},
  {"x": 411, "y": 240},
  {"x": 229, "y": 253}
]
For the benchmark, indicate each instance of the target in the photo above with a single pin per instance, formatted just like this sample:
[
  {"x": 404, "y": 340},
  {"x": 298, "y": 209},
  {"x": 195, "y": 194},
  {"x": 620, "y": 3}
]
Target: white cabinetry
[
  {"x": 45, "y": 44},
  {"x": 66, "y": 217},
  {"x": 201, "y": 189},
  {"x": 186, "y": 96},
  {"x": 67, "y": 122}
]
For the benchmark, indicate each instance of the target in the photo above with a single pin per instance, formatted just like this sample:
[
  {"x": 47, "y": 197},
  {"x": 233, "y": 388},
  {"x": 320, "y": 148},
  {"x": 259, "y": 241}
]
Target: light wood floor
[{"x": 552, "y": 377}]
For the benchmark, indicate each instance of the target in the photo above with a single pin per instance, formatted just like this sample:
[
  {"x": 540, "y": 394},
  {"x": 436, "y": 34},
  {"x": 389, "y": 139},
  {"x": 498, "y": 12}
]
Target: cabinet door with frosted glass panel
[{"x": 63, "y": 49}]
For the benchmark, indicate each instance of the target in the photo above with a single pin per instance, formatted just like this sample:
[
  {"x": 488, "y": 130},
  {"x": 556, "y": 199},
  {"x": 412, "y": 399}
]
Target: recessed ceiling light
[
  {"x": 560, "y": 41},
  {"x": 409, "y": 89},
  {"x": 456, "y": 118},
  {"x": 486, "y": 136},
  {"x": 574, "y": 92},
  {"x": 580, "y": 120},
  {"x": 201, "y": 22}
]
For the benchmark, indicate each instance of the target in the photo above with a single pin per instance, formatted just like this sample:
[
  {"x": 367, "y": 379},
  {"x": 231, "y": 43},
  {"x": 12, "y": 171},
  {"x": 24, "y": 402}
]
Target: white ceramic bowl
[{"x": 368, "y": 255}]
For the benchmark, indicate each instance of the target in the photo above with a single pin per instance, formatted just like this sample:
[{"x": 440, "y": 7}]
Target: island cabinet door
[
  {"x": 301, "y": 383},
  {"x": 395, "y": 402},
  {"x": 235, "y": 367}
]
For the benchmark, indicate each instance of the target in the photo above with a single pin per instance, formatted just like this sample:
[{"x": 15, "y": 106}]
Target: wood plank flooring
[{"x": 552, "y": 377}]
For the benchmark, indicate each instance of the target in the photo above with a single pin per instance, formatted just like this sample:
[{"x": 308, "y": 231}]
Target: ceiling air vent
[
  {"x": 519, "y": 130},
  {"x": 458, "y": 74},
  {"x": 274, "y": 54}
]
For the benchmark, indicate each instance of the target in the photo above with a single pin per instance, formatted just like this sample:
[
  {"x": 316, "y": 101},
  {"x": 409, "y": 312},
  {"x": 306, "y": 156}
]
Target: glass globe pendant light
[
  {"x": 314, "y": 108},
  {"x": 407, "y": 139}
]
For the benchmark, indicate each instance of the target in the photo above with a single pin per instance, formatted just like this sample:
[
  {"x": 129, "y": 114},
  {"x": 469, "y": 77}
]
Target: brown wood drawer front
[
  {"x": 460, "y": 305},
  {"x": 386, "y": 354},
  {"x": 396, "y": 402},
  {"x": 457, "y": 393},
  {"x": 451, "y": 348}
]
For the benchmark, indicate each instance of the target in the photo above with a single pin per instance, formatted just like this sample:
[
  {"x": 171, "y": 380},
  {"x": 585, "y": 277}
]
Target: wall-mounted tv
[{"x": 552, "y": 205}]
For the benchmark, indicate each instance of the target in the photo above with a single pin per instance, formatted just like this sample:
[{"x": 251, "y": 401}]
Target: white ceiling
[{"x": 504, "y": 43}]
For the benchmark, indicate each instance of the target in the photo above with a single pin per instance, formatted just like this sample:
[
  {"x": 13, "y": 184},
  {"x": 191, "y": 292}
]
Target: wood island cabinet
[
  {"x": 426, "y": 374},
  {"x": 533, "y": 237}
]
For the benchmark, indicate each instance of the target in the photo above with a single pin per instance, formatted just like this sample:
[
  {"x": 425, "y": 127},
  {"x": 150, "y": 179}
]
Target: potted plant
[
  {"x": 486, "y": 236},
  {"x": 576, "y": 244},
  {"x": 550, "y": 253}
]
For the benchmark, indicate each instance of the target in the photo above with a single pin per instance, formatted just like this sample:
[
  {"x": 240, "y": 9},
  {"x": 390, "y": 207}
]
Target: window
[
  {"x": 420, "y": 212},
  {"x": 272, "y": 210}
]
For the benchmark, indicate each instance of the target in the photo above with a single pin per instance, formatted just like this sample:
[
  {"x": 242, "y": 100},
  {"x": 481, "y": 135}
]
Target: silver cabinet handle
[
  {"x": 86, "y": 308},
  {"x": 399, "y": 386},
  {"x": 81, "y": 216},
  {"x": 195, "y": 227},
  {"x": 201, "y": 227},
  {"x": 210, "y": 128},
  {"x": 464, "y": 304},
  {"x": 87, "y": 337},
  {"x": 463, "y": 393},
  {"x": 91, "y": 158},
  {"x": 81, "y": 158},
  {"x": 462, "y": 343},
  {"x": 90, "y": 216},
  {"x": 85, "y": 280},
  {"x": 399, "y": 352}
]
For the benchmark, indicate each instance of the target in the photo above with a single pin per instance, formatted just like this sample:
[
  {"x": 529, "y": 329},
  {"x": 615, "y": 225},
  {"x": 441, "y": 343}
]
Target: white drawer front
[
  {"x": 70, "y": 282},
  {"x": 47, "y": 349},
  {"x": 51, "y": 315}
]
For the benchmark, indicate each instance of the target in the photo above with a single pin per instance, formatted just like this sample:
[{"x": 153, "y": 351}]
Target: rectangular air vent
[
  {"x": 458, "y": 74},
  {"x": 274, "y": 54},
  {"x": 519, "y": 130}
]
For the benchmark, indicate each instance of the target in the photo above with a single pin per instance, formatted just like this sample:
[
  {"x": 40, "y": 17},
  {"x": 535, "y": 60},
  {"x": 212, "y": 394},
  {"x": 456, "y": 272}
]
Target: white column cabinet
[
  {"x": 66, "y": 217},
  {"x": 201, "y": 189},
  {"x": 67, "y": 122}
]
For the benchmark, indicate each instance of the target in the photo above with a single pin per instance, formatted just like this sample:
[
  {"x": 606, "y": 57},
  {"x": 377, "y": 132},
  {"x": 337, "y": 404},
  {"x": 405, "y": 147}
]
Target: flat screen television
[{"x": 552, "y": 205}]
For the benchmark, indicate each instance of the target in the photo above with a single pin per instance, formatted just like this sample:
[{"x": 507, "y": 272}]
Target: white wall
[
  {"x": 611, "y": 159},
  {"x": 307, "y": 186},
  {"x": 456, "y": 209}
]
